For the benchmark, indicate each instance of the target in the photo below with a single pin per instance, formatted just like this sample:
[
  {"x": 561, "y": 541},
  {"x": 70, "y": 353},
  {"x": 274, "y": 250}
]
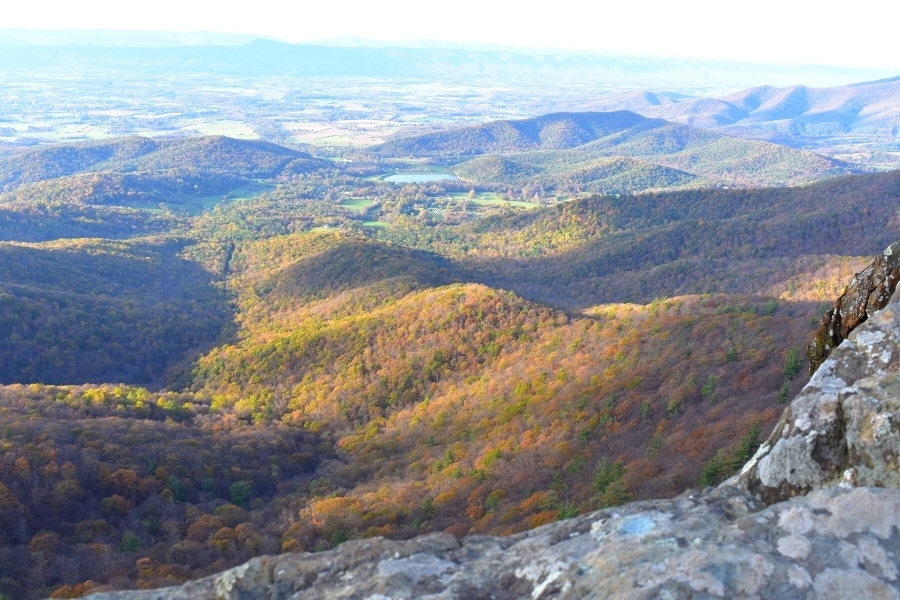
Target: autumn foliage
[{"x": 248, "y": 385}]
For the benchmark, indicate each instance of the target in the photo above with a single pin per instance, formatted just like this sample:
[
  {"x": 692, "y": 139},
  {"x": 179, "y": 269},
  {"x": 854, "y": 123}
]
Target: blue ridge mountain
[
  {"x": 612, "y": 152},
  {"x": 824, "y": 119}
]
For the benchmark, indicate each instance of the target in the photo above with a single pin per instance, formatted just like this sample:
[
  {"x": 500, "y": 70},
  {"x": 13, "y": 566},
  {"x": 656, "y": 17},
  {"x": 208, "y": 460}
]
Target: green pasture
[
  {"x": 198, "y": 204},
  {"x": 359, "y": 204}
]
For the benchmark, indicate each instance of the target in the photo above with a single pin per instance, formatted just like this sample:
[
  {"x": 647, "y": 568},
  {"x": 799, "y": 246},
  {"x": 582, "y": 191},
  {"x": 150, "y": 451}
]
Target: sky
[{"x": 859, "y": 34}]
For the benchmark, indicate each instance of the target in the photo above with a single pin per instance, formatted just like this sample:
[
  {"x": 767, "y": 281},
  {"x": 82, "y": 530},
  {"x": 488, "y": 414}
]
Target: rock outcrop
[
  {"x": 814, "y": 514},
  {"x": 833, "y": 543},
  {"x": 844, "y": 427},
  {"x": 868, "y": 292}
]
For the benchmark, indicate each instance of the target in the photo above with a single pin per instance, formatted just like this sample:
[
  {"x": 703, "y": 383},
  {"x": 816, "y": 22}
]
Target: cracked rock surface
[
  {"x": 844, "y": 426},
  {"x": 832, "y": 543}
]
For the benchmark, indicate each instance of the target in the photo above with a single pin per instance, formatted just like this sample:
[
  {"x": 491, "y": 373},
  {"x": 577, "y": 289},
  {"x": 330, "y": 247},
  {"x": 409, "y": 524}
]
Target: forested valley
[{"x": 213, "y": 349}]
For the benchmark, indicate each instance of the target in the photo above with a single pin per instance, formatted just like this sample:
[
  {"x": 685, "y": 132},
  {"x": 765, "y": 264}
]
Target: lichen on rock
[
  {"x": 718, "y": 544},
  {"x": 842, "y": 429}
]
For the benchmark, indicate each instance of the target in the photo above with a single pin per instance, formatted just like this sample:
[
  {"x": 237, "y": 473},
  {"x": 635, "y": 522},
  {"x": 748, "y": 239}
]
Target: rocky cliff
[
  {"x": 814, "y": 514},
  {"x": 868, "y": 292}
]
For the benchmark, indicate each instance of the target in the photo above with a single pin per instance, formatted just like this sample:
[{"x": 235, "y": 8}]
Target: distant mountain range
[
  {"x": 613, "y": 152},
  {"x": 858, "y": 122},
  {"x": 237, "y": 55}
]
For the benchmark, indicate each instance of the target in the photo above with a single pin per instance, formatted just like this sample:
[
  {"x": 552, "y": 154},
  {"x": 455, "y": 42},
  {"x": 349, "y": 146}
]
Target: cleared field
[
  {"x": 194, "y": 205},
  {"x": 237, "y": 194},
  {"x": 493, "y": 200},
  {"x": 332, "y": 140},
  {"x": 375, "y": 224},
  {"x": 359, "y": 204},
  {"x": 365, "y": 132},
  {"x": 234, "y": 129},
  {"x": 53, "y": 133}
]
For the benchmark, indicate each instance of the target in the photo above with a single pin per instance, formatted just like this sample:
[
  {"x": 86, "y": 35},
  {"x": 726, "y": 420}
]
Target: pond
[{"x": 420, "y": 177}]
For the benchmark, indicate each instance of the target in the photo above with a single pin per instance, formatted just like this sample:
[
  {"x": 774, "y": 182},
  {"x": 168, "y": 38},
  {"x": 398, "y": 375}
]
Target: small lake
[{"x": 413, "y": 177}]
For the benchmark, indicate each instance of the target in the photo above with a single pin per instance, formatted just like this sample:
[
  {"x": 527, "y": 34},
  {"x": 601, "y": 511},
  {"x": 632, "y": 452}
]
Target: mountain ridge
[
  {"x": 220, "y": 154},
  {"x": 815, "y": 118},
  {"x": 556, "y": 148},
  {"x": 266, "y": 56}
]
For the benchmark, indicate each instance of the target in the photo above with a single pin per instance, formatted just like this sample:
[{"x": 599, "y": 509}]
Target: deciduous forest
[{"x": 212, "y": 349}]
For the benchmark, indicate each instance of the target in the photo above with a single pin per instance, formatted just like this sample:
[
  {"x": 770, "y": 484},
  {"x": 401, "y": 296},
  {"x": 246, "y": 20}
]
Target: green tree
[
  {"x": 611, "y": 491},
  {"x": 724, "y": 463},
  {"x": 708, "y": 390},
  {"x": 130, "y": 542},
  {"x": 792, "y": 364},
  {"x": 240, "y": 492},
  {"x": 783, "y": 393}
]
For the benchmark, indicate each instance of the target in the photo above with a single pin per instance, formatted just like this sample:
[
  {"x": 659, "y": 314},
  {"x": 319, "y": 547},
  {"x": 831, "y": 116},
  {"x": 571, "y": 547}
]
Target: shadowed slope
[
  {"x": 93, "y": 311},
  {"x": 637, "y": 248}
]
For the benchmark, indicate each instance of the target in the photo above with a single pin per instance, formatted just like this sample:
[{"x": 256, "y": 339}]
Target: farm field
[
  {"x": 487, "y": 199},
  {"x": 360, "y": 204},
  {"x": 234, "y": 129},
  {"x": 236, "y": 195}
]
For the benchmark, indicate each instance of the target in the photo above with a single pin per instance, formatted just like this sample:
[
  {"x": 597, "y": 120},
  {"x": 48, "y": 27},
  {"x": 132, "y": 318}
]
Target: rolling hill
[
  {"x": 138, "y": 189},
  {"x": 573, "y": 172},
  {"x": 127, "y": 187},
  {"x": 210, "y": 154},
  {"x": 616, "y": 152},
  {"x": 100, "y": 311},
  {"x": 549, "y": 132},
  {"x": 857, "y": 122},
  {"x": 40, "y": 221},
  {"x": 323, "y": 384}
]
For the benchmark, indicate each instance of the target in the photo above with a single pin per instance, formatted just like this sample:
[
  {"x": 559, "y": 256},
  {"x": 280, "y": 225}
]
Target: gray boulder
[{"x": 844, "y": 427}]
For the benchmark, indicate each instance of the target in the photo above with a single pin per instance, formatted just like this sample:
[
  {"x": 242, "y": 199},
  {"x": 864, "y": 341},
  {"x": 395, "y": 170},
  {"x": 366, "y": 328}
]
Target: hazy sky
[{"x": 861, "y": 33}]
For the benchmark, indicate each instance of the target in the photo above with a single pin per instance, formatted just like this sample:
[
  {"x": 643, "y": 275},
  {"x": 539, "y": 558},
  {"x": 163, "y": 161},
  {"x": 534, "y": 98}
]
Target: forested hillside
[
  {"x": 95, "y": 311},
  {"x": 637, "y": 248},
  {"x": 549, "y": 132},
  {"x": 337, "y": 357},
  {"x": 144, "y": 189},
  {"x": 581, "y": 173},
  {"x": 41, "y": 221},
  {"x": 218, "y": 154},
  {"x": 614, "y": 153}
]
